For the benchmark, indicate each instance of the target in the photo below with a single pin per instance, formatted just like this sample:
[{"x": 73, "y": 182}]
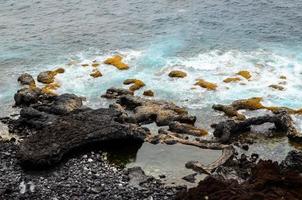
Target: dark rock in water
[
  {"x": 59, "y": 134},
  {"x": 148, "y": 111},
  {"x": 137, "y": 176},
  {"x": 113, "y": 93},
  {"x": 26, "y": 79},
  {"x": 62, "y": 104},
  {"x": 226, "y": 130},
  {"x": 186, "y": 129},
  {"x": 293, "y": 161},
  {"x": 190, "y": 178},
  {"x": 268, "y": 181},
  {"x": 27, "y": 96}
]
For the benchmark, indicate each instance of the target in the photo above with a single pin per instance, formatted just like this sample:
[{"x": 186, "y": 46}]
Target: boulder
[
  {"x": 96, "y": 73},
  {"x": 245, "y": 74},
  {"x": 231, "y": 79},
  {"x": 27, "y": 96},
  {"x": 27, "y": 79},
  {"x": 177, "y": 74},
  {"x": 48, "y": 77},
  {"x": 205, "y": 84},
  {"x": 187, "y": 129},
  {"x": 136, "y": 84},
  {"x": 148, "y": 93}
]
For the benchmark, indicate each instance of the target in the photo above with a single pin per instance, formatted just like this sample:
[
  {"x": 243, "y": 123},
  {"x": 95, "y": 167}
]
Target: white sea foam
[{"x": 266, "y": 67}]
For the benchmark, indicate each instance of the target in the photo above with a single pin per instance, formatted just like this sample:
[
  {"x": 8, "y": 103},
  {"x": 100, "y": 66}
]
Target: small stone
[
  {"x": 148, "y": 93},
  {"x": 177, "y": 74}
]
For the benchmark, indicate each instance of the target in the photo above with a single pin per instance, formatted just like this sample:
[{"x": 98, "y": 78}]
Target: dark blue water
[{"x": 196, "y": 35}]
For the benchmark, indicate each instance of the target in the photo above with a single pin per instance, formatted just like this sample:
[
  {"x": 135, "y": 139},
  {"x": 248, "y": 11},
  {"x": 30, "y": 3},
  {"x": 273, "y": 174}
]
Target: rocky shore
[{"x": 53, "y": 156}]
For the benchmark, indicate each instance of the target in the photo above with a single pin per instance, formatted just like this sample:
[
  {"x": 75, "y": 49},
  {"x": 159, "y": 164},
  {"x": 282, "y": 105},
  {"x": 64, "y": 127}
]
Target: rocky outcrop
[
  {"x": 229, "y": 129},
  {"x": 186, "y": 129},
  {"x": 113, "y": 93},
  {"x": 268, "y": 181},
  {"x": 59, "y": 134},
  {"x": 148, "y": 111}
]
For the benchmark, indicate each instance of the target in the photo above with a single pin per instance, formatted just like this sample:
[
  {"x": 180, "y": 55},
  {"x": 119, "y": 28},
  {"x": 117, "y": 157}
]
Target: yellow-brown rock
[
  {"x": 117, "y": 62},
  {"x": 96, "y": 73},
  {"x": 249, "y": 104},
  {"x": 49, "y": 88},
  {"x": 136, "y": 84},
  {"x": 282, "y": 77},
  {"x": 95, "y": 64},
  {"x": 245, "y": 74},
  {"x": 206, "y": 84},
  {"x": 177, "y": 74},
  {"x": 231, "y": 79},
  {"x": 277, "y": 87},
  {"x": 85, "y": 65},
  {"x": 148, "y": 93},
  {"x": 48, "y": 77}
]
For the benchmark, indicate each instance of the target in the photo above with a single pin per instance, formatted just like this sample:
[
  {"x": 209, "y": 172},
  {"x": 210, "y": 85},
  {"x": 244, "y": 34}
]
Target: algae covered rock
[
  {"x": 205, "y": 84},
  {"x": 136, "y": 84},
  {"x": 117, "y": 62},
  {"x": 96, "y": 73},
  {"x": 148, "y": 93},
  {"x": 48, "y": 77},
  {"x": 245, "y": 74},
  {"x": 231, "y": 79},
  {"x": 49, "y": 88},
  {"x": 177, "y": 74}
]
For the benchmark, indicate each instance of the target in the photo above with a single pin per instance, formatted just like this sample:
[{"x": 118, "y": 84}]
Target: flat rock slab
[{"x": 63, "y": 133}]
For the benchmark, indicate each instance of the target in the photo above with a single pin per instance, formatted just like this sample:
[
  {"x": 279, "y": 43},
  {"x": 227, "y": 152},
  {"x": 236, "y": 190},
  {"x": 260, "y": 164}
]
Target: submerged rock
[
  {"x": 27, "y": 79},
  {"x": 113, "y": 93},
  {"x": 148, "y": 111},
  {"x": 117, "y": 62},
  {"x": 60, "y": 134},
  {"x": 136, "y": 84},
  {"x": 177, "y": 74},
  {"x": 205, "y": 84},
  {"x": 277, "y": 87}
]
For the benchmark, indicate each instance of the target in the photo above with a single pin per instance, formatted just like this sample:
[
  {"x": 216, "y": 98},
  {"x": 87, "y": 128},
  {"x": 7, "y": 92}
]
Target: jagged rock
[
  {"x": 177, "y": 74},
  {"x": 205, "y": 84},
  {"x": 26, "y": 79},
  {"x": 293, "y": 161},
  {"x": 137, "y": 176},
  {"x": 60, "y": 134},
  {"x": 117, "y": 62},
  {"x": 230, "y": 128},
  {"x": 113, "y": 93},
  {"x": 186, "y": 129},
  {"x": 268, "y": 181},
  {"x": 62, "y": 104},
  {"x": 48, "y": 77},
  {"x": 190, "y": 178},
  {"x": 148, "y": 111}
]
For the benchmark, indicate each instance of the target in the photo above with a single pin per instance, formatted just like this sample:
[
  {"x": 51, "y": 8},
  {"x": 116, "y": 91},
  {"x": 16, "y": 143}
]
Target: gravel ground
[{"x": 87, "y": 176}]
